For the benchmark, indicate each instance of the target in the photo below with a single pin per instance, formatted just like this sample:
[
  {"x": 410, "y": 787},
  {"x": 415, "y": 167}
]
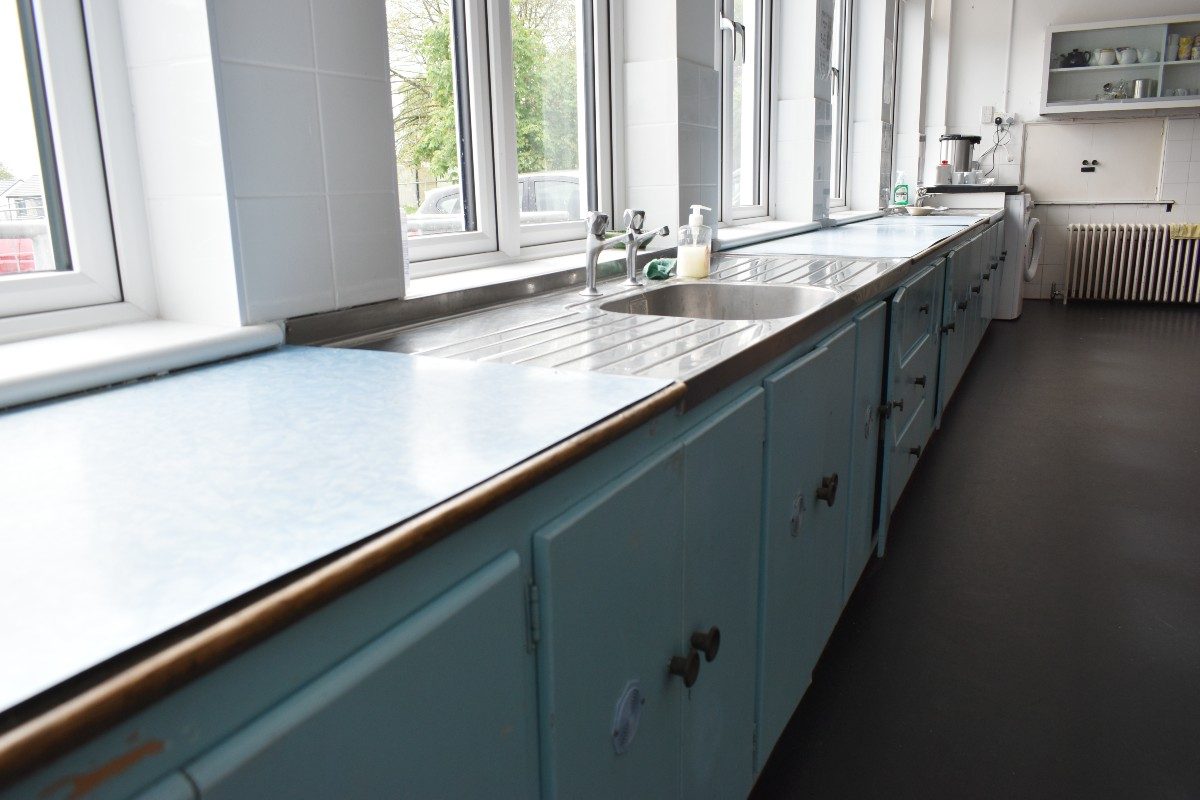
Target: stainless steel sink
[{"x": 741, "y": 301}]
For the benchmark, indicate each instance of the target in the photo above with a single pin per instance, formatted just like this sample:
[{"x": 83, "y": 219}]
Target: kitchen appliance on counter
[{"x": 957, "y": 150}]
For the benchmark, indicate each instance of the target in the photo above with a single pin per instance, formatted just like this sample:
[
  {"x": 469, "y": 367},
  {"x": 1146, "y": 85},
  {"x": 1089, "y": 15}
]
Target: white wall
[{"x": 990, "y": 53}]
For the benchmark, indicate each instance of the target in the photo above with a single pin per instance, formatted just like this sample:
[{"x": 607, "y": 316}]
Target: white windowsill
[
  {"x": 513, "y": 271},
  {"x": 37, "y": 369}
]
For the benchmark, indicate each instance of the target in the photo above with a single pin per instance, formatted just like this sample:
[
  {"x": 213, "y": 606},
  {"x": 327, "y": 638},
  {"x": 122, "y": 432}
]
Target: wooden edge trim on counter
[{"x": 37, "y": 741}]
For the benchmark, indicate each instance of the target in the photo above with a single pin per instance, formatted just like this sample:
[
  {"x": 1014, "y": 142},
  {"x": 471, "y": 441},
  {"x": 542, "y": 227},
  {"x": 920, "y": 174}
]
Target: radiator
[{"x": 1131, "y": 262}]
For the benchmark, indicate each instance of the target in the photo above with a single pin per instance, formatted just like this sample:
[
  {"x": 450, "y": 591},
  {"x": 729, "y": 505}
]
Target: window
[
  {"x": 745, "y": 104},
  {"x": 496, "y": 104},
  {"x": 56, "y": 245},
  {"x": 839, "y": 74}
]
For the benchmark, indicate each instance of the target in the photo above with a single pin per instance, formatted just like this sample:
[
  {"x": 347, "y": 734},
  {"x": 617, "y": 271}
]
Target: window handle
[{"x": 735, "y": 29}]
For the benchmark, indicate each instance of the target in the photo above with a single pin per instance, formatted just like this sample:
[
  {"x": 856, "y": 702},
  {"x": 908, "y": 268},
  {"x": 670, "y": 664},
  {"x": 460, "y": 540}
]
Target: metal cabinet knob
[
  {"x": 919, "y": 381},
  {"x": 962, "y": 306},
  {"x": 827, "y": 491},
  {"x": 948, "y": 328},
  {"x": 915, "y": 451},
  {"x": 707, "y": 642},
  {"x": 987, "y": 276},
  {"x": 686, "y": 667},
  {"x": 924, "y": 309},
  {"x": 976, "y": 289}
]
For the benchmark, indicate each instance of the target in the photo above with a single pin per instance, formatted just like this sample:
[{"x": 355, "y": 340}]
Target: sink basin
[{"x": 741, "y": 301}]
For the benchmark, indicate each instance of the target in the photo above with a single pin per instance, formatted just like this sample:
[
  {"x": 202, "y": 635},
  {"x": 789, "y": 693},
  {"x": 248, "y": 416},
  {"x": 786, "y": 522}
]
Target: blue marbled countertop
[
  {"x": 129, "y": 511},
  {"x": 882, "y": 237}
]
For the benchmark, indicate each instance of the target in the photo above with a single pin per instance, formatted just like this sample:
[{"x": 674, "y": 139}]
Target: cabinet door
[
  {"x": 1053, "y": 155},
  {"x": 722, "y": 516},
  {"x": 610, "y": 585},
  {"x": 869, "y": 366},
  {"x": 1129, "y": 159},
  {"x": 443, "y": 705},
  {"x": 808, "y": 447}
]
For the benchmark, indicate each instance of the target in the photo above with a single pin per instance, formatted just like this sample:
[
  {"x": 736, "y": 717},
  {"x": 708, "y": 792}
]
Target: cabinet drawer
[
  {"x": 914, "y": 308},
  {"x": 912, "y": 386},
  {"x": 442, "y": 705},
  {"x": 907, "y": 451}
]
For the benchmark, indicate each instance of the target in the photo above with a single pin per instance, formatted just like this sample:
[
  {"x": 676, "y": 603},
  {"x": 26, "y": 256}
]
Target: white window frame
[
  {"x": 499, "y": 236},
  {"x": 841, "y": 78},
  {"x": 733, "y": 43},
  {"x": 93, "y": 279}
]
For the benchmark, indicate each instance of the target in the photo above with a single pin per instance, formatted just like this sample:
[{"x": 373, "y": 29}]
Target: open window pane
[
  {"x": 27, "y": 220},
  {"x": 550, "y": 78},
  {"x": 426, "y": 41},
  {"x": 745, "y": 112}
]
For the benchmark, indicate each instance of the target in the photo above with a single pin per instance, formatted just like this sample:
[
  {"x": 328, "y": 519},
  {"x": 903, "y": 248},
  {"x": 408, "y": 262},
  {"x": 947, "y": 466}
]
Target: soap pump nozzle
[{"x": 696, "y": 219}]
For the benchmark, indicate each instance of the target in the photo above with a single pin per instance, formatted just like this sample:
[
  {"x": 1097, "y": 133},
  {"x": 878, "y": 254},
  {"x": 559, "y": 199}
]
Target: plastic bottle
[
  {"x": 695, "y": 246},
  {"x": 900, "y": 193}
]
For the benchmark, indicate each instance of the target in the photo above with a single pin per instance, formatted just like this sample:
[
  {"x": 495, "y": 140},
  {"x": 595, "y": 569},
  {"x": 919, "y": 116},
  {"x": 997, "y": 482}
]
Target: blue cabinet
[
  {"x": 610, "y": 598},
  {"x": 869, "y": 364},
  {"x": 809, "y": 412},
  {"x": 644, "y": 573},
  {"x": 723, "y": 463},
  {"x": 443, "y": 705}
]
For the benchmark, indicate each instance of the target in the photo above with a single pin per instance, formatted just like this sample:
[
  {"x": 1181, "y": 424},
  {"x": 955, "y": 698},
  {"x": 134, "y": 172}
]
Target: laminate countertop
[
  {"x": 129, "y": 511},
  {"x": 904, "y": 239}
]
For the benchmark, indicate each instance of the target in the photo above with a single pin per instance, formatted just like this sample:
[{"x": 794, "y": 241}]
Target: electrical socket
[{"x": 1003, "y": 118}]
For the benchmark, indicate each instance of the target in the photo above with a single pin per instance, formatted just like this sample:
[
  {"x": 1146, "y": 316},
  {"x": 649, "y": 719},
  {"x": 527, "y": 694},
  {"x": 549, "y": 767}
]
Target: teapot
[
  {"x": 1076, "y": 58},
  {"x": 1147, "y": 55},
  {"x": 1127, "y": 55}
]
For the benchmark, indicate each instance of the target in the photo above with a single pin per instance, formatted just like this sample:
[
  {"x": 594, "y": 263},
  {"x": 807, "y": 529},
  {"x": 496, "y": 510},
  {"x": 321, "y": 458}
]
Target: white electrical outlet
[
  {"x": 1009, "y": 119},
  {"x": 989, "y": 113}
]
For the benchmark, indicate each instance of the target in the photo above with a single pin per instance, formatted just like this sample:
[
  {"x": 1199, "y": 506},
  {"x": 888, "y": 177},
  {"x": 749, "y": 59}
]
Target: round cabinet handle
[
  {"x": 707, "y": 642},
  {"x": 915, "y": 451},
  {"x": 919, "y": 381},
  {"x": 827, "y": 491},
  {"x": 948, "y": 328},
  {"x": 686, "y": 667},
  {"x": 924, "y": 309},
  {"x": 1095, "y": 163},
  {"x": 976, "y": 289}
]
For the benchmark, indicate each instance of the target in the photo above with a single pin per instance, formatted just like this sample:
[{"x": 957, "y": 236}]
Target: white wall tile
[
  {"x": 1180, "y": 129},
  {"x": 1173, "y": 191},
  {"x": 274, "y": 135},
  {"x": 661, "y": 204},
  {"x": 155, "y": 31},
  {"x": 652, "y": 155},
  {"x": 285, "y": 256},
  {"x": 1176, "y": 151},
  {"x": 651, "y": 91},
  {"x": 1192, "y": 198},
  {"x": 691, "y": 195},
  {"x": 193, "y": 256},
  {"x": 264, "y": 31},
  {"x": 366, "y": 248},
  {"x": 178, "y": 130},
  {"x": 351, "y": 37},
  {"x": 356, "y": 128}
]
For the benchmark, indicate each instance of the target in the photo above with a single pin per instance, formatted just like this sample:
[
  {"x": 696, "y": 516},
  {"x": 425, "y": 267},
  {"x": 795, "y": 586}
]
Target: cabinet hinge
[{"x": 535, "y": 615}]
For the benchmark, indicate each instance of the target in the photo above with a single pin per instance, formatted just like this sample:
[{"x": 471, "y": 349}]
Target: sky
[{"x": 18, "y": 141}]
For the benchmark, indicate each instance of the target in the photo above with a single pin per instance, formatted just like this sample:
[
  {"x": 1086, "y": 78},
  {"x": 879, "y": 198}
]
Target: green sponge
[{"x": 659, "y": 269}]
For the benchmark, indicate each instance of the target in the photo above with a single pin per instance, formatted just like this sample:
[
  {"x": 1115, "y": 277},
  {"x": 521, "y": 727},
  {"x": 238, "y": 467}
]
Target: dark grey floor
[{"x": 1034, "y": 631}]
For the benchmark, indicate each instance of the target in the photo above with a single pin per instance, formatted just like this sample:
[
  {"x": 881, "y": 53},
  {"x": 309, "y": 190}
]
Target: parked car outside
[{"x": 545, "y": 197}]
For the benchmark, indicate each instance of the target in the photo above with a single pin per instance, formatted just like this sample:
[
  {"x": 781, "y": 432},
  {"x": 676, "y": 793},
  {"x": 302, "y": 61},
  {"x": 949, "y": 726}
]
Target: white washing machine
[{"x": 1023, "y": 253}]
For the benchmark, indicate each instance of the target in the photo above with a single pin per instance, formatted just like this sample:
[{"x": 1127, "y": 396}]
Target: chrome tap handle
[
  {"x": 597, "y": 223},
  {"x": 634, "y": 219}
]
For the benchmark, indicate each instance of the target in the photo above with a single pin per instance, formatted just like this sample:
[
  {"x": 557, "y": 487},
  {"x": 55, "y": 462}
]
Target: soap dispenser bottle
[
  {"x": 900, "y": 193},
  {"x": 695, "y": 246}
]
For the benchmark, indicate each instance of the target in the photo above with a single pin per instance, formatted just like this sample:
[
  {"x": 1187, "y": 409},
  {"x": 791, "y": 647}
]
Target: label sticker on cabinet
[{"x": 627, "y": 715}]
